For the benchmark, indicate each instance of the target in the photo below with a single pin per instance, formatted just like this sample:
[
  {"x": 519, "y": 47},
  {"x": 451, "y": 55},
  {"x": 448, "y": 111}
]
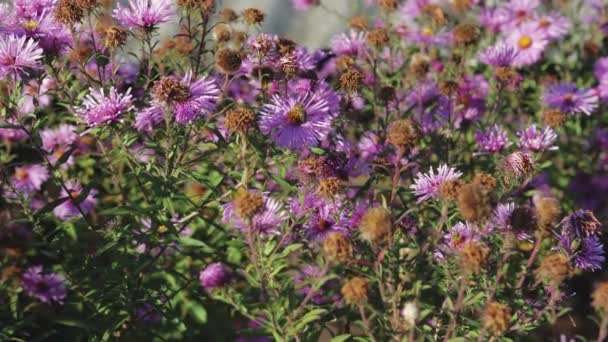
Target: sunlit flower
[
  {"x": 529, "y": 43},
  {"x": 570, "y": 100},
  {"x": 145, "y": 14},
  {"x": 532, "y": 139},
  {"x": 426, "y": 186},
  {"x": 17, "y": 55},
  {"x": 100, "y": 109}
]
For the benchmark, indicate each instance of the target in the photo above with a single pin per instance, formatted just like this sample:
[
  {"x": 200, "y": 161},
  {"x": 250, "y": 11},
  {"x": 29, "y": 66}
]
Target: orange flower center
[
  {"x": 297, "y": 115},
  {"x": 544, "y": 23},
  {"x": 21, "y": 174},
  {"x": 525, "y": 42},
  {"x": 427, "y": 32}
]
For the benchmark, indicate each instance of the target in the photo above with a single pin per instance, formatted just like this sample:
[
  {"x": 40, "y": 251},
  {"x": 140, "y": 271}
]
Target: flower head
[
  {"x": 426, "y": 186},
  {"x": 553, "y": 25},
  {"x": 266, "y": 220},
  {"x": 69, "y": 208},
  {"x": 17, "y": 54},
  {"x": 48, "y": 288},
  {"x": 493, "y": 140},
  {"x": 214, "y": 275},
  {"x": 353, "y": 44},
  {"x": 99, "y": 109},
  {"x": 569, "y": 99},
  {"x": 529, "y": 43},
  {"x": 145, "y": 14},
  {"x": 531, "y": 139},
  {"x": 500, "y": 55},
  {"x": 28, "y": 179}
]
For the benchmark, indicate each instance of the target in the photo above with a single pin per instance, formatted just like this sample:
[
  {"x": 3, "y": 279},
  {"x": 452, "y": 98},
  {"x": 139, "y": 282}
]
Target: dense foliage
[{"x": 439, "y": 172}]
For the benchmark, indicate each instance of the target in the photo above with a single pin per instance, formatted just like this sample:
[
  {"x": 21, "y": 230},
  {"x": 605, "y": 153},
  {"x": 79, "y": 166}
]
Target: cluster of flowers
[{"x": 439, "y": 171}]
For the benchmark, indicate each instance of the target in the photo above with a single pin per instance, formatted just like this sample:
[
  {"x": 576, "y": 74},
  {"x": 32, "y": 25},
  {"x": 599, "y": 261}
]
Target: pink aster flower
[
  {"x": 28, "y": 179},
  {"x": 529, "y": 43},
  {"x": 145, "y": 14},
  {"x": 553, "y": 25},
  {"x": 522, "y": 10},
  {"x": 494, "y": 19},
  {"x": 68, "y": 208},
  {"x": 148, "y": 118},
  {"x": 531, "y": 139},
  {"x": 57, "y": 141},
  {"x": 99, "y": 109},
  {"x": 17, "y": 54},
  {"x": 426, "y": 186},
  {"x": 500, "y": 55},
  {"x": 354, "y": 44},
  {"x": 493, "y": 140}
]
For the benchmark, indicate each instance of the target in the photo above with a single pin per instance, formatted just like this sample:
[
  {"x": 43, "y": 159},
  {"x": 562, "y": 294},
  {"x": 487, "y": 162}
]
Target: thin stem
[
  {"x": 535, "y": 251},
  {"x": 457, "y": 308},
  {"x": 366, "y": 323}
]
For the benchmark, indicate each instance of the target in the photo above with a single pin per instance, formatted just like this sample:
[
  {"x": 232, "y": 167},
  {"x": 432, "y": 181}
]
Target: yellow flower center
[
  {"x": 525, "y": 42},
  {"x": 21, "y": 174},
  {"x": 30, "y": 25},
  {"x": 162, "y": 229},
  {"x": 427, "y": 31},
  {"x": 297, "y": 115}
]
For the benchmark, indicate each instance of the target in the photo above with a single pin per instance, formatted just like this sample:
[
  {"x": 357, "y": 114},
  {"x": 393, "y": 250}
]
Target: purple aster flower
[
  {"x": 522, "y": 10},
  {"x": 353, "y": 44},
  {"x": 426, "y": 35},
  {"x": 581, "y": 223},
  {"x": 585, "y": 254},
  {"x": 303, "y": 5},
  {"x": 495, "y": 19},
  {"x": 147, "y": 313},
  {"x": 412, "y": 9},
  {"x": 470, "y": 99},
  {"x": 493, "y": 140},
  {"x": 325, "y": 219},
  {"x": 148, "y": 118},
  {"x": 17, "y": 54},
  {"x": 600, "y": 69},
  {"x": 426, "y": 186},
  {"x": 99, "y": 109},
  {"x": 501, "y": 220},
  {"x": 145, "y": 14},
  {"x": 32, "y": 8},
  {"x": 500, "y": 55},
  {"x": 56, "y": 141},
  {"x": 531, "y": 139},
  {"x": 299, "y": 120},
  {"x": 431, "y": 109},
  {"x": 553, "y": 25},
  {"x": 68, "y": 208},
  {"x": 201, "y": 98},
  {"x": 569, "y": 99},
  {"x": 214, "y": 275},
  {"x": 52, "y": 36},
  {"x": 529, "y": 43},
  {"x": 268, "y": 220},
  {"x": 48, "y": 288},
  {"x": 28, "y": 179},
  {"x": 460, "y": 234},
  {"x": 9, "y": 134}
]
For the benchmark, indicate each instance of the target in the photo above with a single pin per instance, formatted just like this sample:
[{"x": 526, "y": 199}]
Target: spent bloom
[
  {"x": 569, "y": 99},
  {"x": 48, "y": 288},
  {"x": 493, "y": 140},
  {"x": 531, "y": 139},
  {"x": 69, "y": 208},
  {"x": 213, "y": 276},
  {"x": 17, "y": 54},
  {"x": 99, "y": 109},
  {"x": 426, "y": 186},
  {"x": 301, "y": 119},
  {"x": 529, "y": 43},
  {"x": 28, "y": 179},
  {"x": 145, "y": 14}
]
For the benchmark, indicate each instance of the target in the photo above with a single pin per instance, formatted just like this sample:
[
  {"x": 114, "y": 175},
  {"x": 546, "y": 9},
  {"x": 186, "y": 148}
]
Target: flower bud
[{"x": 214, "y": 275}]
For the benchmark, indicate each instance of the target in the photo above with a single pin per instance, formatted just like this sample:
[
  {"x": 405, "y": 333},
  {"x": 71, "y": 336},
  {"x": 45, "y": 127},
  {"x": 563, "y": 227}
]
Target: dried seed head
[
  {"x": 87, "y": 5},
  {"x": 473, "y": 256},
  {"x": 286, "y": 46},
  {"x": 330, "y": 187},
  {"x": 240, "y": 37},
  {"x": 351, "y": 81},
  {"x": 462, "y": 5},
  {"x": 247, "y": 203},
  {"x": 253, "y": 16},
  {"x": 419, "y": 65},
  {"x": 474, "y": 202},
  {"x": 436, "y": 13},
  {"x": 68, "y": 12},
  {"x": 450, "y": 189},
  {"x": 376, "y": 226},
  {"x": 403, "y": 133},
  {"x": 337, "y": 247},
  {"x": 358, "y": 22},
  {"x": 554, "y": 117},
  {"x": 228, "y": 15},
  {"x": 222, "y": 33},
  {"x": 553, "y": 269},
  {"x": 448, "y": 88},
  {"x": 465, "y": 34},
  {"x": 355, "y": 290},
  {"x": 485, "y": 180},
  {"x": 388, "y": 5},
  {"x": 518, "y": 165},
  {"x": 386, "y": 94},
  {"x": 81, "y": 52},
  {"x": 239, "y": 120},
  {"x": 344, "y": 63},
  {"x": 204, "y": 5},
  {"x": 378, "y": 37},
  {"x": 228, "y": 61},
  {"x": 506, "y": 74},
  {"x": 169, "y": 89},
  {"x": 548, "y": 212},
  {"x": 600, "y": 297},
  {"x": 115, "y": 37},
  {"x": 496, "y": 318},
  {"x": 523, "y": 219}
]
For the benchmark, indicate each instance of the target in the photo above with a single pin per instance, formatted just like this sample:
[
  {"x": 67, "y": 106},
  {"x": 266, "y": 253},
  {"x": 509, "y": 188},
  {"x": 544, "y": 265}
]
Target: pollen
[{"x": 297, "y": 115}]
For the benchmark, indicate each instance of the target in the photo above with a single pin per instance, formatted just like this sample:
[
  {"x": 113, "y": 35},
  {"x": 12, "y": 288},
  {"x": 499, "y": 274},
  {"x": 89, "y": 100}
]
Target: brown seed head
[
  {"x": 355, "y": 290},
  {"x": 378, "y": 37},
  {"x": 87, "y": 5},
  {"x": 228, "y": 61},
  {"x": 239, "y": 120},
  {"x": 68, "y": 12},
  {"x": 386, "y": 93},
  {"x": 388, "y": 5},
  {"x": 485, "y": 180},
  {"x": 448, "y": 88},
  {"x": 376, "y": 226},
  {"x": 591, "y": 48},
  {"x": 358, "y": 22},
  {"x": 449, "y": 190},
  {"x": 253, "y": 16},
  {"x": 330, "y": 187},
  {"x": 419, "y": 65},
  {"x": 337, "y": 247},
  {"x": 222, "y": 33},
  {"x": 600, "y": 297},
  {"x": 473, "y": 256},
  {"x": 286, "y": 46},
  {"x": 474, "y": 202},
  {"x": 461, "y": 5},
  {"x": 247, "y": 203},
  {"x": 204, "y": 5},
  {"x": 403, "y": 133},
  {"x": 496, "y": 318},
  {"x": 554, "y": 117},
  {"x": 169, "y": 89},
  {"x": 518, "y": 165},
  {"x": 344, "y": 63},
  {"x": 228, "y": 15},
  {"x": 505, "y": 74},
  {"x": 548, "y": 212},
  {"x": 465, "y": 34},
  {"x": 351, "y": 81},
  {"x": 436, "y": 13},
  {"x": 553, "y": 269},
  {"x": 115, "y": 37},
  {"x": 240, "y": 37}
]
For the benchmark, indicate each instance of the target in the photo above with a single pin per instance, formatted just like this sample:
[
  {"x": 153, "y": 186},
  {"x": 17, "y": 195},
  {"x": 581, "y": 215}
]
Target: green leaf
[
  {"x": 199, "y": 312},
  {"x": 308, "y": 318},
  {"x": 190, "y": 241},
  {"x": 340, "y": 338}
]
